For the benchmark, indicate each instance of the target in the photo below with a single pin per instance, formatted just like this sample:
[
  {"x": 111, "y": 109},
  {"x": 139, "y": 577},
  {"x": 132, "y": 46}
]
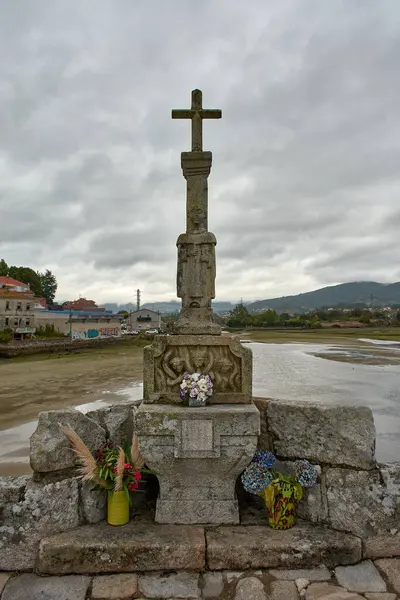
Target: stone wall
[{"x": 353, "y": 494}]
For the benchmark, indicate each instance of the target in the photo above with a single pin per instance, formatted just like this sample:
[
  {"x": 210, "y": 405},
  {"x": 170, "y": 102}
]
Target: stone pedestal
[{"x": 197, "y": 454}]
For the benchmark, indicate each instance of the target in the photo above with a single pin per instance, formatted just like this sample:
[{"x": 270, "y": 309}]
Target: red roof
[{"x": 11, "y": 281}]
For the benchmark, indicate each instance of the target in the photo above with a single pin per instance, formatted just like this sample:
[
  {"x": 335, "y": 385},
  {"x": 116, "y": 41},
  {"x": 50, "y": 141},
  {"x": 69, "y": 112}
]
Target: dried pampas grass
[
  {"x": 118, "y": 486},
  {"x": 88, "y": 466},
  {"x": 137, "y": 458}
]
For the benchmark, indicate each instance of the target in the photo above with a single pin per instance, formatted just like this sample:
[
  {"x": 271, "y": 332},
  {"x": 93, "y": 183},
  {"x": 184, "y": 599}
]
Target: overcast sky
[{"x": 305, "y": 185}]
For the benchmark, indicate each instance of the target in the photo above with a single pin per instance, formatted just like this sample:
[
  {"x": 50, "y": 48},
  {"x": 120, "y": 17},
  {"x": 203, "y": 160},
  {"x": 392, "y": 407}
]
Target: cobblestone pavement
[{"x": 371, "y": 580}]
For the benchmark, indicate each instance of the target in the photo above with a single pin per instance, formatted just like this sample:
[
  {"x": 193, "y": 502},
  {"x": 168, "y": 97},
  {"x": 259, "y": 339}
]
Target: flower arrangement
[
  {"x": 280, "y": 492},
  {"x": 196, "y": 388},
  {"x": 112, "y": 468}
]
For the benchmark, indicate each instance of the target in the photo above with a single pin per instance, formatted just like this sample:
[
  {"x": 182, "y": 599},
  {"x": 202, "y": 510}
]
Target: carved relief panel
[
  {"x": 216, "y": 361},
  {"x": 226, "y": 361}
]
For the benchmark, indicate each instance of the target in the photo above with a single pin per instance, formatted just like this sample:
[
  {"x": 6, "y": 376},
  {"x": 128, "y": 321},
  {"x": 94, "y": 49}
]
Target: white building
[{"x": 144, "y": 319}]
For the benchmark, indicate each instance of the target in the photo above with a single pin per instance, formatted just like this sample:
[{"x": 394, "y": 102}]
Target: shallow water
[
  {"x": 291, "y": 371},
  {"x": 14, "y": 442},
  {"x": 282, "y": 371}
]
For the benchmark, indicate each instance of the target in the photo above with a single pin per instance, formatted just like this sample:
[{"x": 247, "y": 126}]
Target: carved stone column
[{"x": 196, "y": 252}]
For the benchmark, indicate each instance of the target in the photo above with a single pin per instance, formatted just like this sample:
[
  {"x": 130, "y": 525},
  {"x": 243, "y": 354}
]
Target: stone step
[
  {"x": 144, "y": 546},
  {"x": 137, "y": 546},
  {"x": 258, "y": 547}
]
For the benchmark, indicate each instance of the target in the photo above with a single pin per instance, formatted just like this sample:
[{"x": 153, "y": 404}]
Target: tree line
[
  {"x": 43, "y": 285},
  {"x": 241, "y": 317}
]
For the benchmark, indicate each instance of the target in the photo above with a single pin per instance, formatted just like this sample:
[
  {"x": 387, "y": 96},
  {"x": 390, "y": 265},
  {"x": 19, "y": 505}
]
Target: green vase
[
  {"x": 281, "y": 506},
  {"x": 117, "y": 508}
]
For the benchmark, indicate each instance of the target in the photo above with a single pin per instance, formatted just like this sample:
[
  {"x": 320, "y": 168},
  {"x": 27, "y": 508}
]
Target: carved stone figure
[
  {"x": 173, "y": 369},
  {"x": 196, "y": 270}
]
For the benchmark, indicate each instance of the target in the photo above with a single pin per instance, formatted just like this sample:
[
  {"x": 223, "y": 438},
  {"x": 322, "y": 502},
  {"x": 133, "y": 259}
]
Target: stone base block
[
  {"x": 197, "y": 455},
  {"x": 211, "y": 512}
]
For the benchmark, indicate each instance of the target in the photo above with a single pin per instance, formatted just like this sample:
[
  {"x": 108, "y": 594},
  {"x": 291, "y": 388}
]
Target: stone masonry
[
  {"x": 365, "y": 580},
  {"x": 363, "y": 502}
]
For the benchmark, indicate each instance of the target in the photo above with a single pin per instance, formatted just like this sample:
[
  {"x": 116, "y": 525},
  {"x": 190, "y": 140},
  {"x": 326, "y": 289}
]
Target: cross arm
[
  {"x": 182, "y": 113},
  {"x": 211, "y": 113}
]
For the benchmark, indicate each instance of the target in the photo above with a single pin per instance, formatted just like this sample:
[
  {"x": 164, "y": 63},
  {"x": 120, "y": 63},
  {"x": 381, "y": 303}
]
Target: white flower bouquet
[{"x": 196, "y": 388}]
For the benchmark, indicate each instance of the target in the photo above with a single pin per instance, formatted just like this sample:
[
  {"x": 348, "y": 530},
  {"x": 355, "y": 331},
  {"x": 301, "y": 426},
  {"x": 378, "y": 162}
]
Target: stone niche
[{"x": 223, "y": 358}]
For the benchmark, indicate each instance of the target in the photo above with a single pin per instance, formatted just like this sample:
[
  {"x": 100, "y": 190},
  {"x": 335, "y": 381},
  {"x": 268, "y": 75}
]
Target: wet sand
[{"x": 34, "y": 384}]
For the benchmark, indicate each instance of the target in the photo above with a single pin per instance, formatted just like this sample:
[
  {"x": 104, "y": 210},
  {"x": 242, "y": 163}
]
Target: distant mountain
[
  {"x": 174, "y": 306},
  {"x": 166, "y": 307},
  {"x": 369, "y": 293}
]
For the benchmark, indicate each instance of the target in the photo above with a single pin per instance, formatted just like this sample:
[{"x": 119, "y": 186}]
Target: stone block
[
  {"x": 337, "y": 435},
  {"x": 382, "y": 546},
  {"x": 51, "y": 449},
  {"x": 359, "y": 502},
  {"x": 114, "y": 587},
  {"x": 12, "y": 489},
  {"x": 284, "y": 589},
  {"x": 175, "y": 585},
  {"x": 390, "y": 567},
  {"x": 116, "y": 420},
  {"x": 222, "y": 357},
  {"x": 255, "y": 547},
  {"x": 363, "y": 577},
  {"x": 93, "y": 503},
  {"x": 137, "y": 546},
  {"x": 250, "y": 588},
  {"x": 320, "y": 573},
  {"x": 197, "y": 453},
  {"x": 42, "y": 511},
  {"x": 326, "y": 591},
  {"x": 31, "y": 586},
  {"x": 211, "y": 585}
]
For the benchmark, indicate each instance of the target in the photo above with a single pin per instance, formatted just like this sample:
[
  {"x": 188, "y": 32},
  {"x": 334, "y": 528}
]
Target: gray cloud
[{"x": 304, "y": 188}]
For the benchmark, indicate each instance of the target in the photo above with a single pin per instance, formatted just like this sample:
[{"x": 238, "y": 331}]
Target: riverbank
[{"x": 30, "y": 384}]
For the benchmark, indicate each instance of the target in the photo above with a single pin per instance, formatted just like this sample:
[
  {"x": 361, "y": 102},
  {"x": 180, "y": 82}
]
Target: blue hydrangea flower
[
  {"x": 265, "y": 458},
  {"x": 306, "y": 473},
  {"x": 255, "y": 478}
]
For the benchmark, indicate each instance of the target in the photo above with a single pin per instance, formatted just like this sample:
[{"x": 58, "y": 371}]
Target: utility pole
[{"x": 137, "y": 299}]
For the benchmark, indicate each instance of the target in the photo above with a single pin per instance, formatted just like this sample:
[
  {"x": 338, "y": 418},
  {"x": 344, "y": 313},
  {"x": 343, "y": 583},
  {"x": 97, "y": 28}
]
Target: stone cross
[
  {"x": 197, "y": 113},
  {"x": 196, "y": 247}
]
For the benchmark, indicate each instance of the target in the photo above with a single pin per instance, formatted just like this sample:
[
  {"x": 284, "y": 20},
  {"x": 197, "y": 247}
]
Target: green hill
[{"x": 369, "y": 293}]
